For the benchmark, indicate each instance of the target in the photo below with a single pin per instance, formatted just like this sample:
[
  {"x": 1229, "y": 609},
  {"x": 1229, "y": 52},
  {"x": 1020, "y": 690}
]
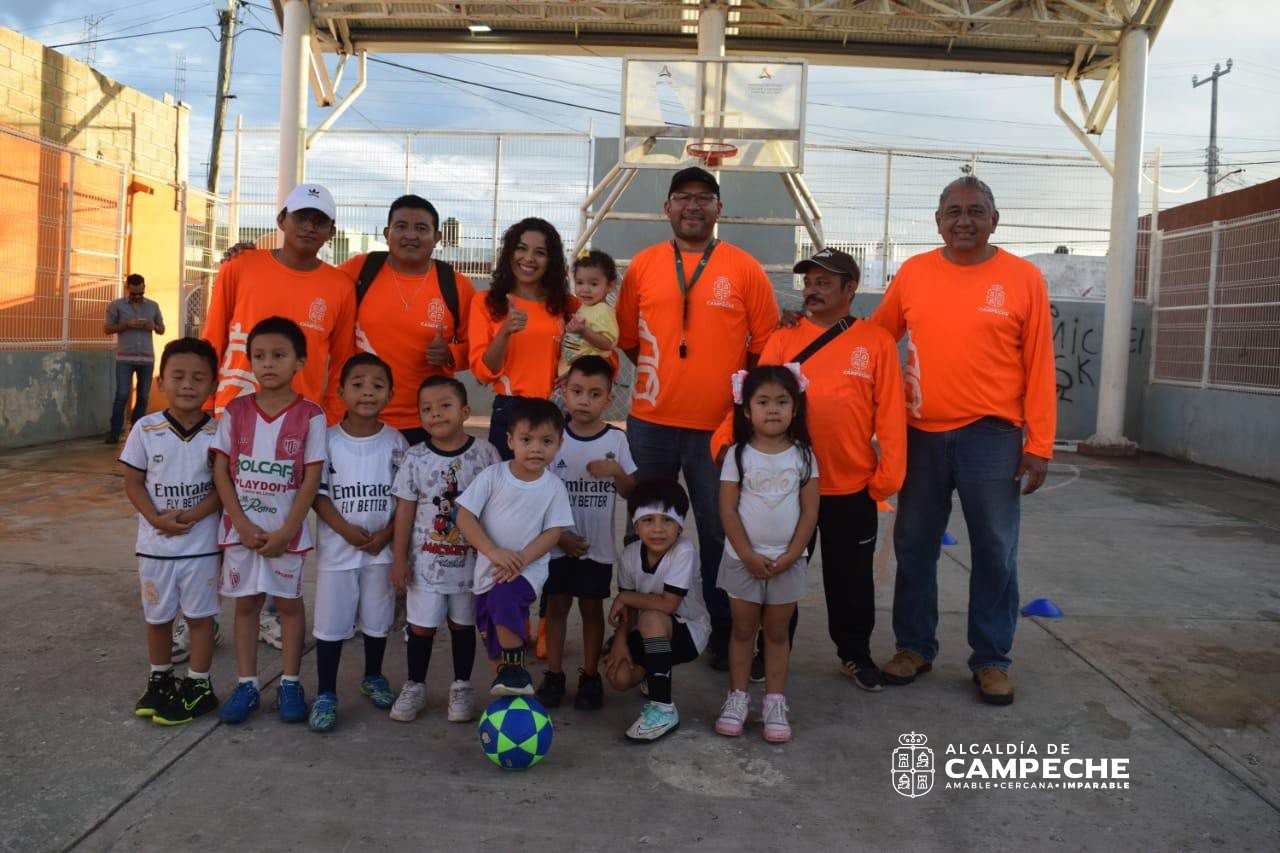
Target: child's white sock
[
  {"x": 251, "y": 680},
  {"x": 197, "y": 676},
  {"x": 285, "y": 678},
  {"x": 162, "y": 667}
]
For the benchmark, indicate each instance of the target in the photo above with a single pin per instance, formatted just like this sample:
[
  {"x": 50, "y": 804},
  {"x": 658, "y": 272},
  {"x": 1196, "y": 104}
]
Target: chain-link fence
[
  {"x": 61, "y": 243},
  {"x": 206, "y": 233},
  {"x": 1216, "y": 319}
]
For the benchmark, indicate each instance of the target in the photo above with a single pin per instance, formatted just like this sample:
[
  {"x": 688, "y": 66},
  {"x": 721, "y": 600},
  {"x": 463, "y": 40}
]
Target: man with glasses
[
  {"x": 691, "y": 311},
  {"x": 133, "y": 319}
]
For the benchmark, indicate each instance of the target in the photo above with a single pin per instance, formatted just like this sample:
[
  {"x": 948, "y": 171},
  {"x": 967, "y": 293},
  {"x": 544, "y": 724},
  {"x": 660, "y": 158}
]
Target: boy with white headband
[{"x": 659, "y": 616}]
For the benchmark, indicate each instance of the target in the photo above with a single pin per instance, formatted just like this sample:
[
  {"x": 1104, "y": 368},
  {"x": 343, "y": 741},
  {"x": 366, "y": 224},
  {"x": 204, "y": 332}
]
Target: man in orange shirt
[
  {"x": 981, "y": 412},
  {"x": 405, "y": 316},
  {"x": 288, "y": 282},
  {"x": 690, "y": 312}
]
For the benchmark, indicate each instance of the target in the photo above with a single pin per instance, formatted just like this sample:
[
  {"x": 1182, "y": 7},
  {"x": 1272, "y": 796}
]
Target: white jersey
[
  {"x": 592, "y": 498},
  {"x": 676, "y": 571},
  {"x": 434, "y": 479},
  {"x": 514, "y": 512},
  {"x": 357, "y": 478},
  {"x": 179, "y": 475},
  {"x": 268, "y": 457},
  {"x": 769, "y": 500}
]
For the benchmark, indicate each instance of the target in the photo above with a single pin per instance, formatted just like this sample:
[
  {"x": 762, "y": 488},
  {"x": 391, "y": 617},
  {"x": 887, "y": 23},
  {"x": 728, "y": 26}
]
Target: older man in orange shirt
[{"x": 981, "y": 411}]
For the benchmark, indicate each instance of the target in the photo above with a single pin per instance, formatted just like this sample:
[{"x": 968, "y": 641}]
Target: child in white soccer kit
[
  {"x": 513, "y": 513},
  {"x": 168, "y": 479},
  {"x": 659, "y": 615},
  {"x": 269, "y": 448},
  {"x": 596, "y": 466},
  {"x": 432, "y": 559},
  {"x": 355, "y": 508}
]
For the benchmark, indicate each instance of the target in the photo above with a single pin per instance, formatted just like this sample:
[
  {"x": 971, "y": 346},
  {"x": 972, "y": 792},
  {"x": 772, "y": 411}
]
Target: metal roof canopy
[{"x": 1069, "y": 40}]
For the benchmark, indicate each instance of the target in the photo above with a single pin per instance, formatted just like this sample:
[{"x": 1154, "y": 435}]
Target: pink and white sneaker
[
  {"x": 734, "y": 714},
  {"x": 776, "y": 727}
]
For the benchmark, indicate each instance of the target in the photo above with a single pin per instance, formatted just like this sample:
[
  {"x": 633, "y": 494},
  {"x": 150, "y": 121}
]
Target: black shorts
[
  {"x": 578, "y": 578},
  {"x": 682, "y": 648}
]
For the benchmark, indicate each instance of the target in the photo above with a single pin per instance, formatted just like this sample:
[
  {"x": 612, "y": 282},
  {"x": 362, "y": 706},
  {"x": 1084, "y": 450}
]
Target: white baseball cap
[{"x": 311, "y": 197}]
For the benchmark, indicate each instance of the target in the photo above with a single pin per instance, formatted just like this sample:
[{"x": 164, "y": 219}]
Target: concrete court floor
[{"x": 1168, "y": 656}]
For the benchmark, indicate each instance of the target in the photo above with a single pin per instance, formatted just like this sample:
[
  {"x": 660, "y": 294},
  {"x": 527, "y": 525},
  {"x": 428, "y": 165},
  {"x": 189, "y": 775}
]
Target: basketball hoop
[{"x": 711, "y": 153}]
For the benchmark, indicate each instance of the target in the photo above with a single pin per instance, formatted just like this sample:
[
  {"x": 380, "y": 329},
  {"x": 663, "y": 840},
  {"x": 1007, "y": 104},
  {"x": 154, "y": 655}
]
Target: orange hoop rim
[{"x": 711, "y": 153}]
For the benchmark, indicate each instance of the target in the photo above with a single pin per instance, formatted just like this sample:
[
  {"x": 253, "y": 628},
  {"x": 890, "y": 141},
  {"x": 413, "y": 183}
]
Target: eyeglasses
[{"x": 701, "y": 199}]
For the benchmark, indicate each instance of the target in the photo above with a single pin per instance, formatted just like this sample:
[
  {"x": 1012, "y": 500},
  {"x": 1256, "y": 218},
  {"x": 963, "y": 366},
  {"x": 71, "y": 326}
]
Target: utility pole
[
  {"x": 227, "y": 24},
  {"x": 1211, "y": 156}
]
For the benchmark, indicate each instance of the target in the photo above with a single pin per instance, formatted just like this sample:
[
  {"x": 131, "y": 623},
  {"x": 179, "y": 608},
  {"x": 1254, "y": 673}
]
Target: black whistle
[{"x": 684, "y": 350}]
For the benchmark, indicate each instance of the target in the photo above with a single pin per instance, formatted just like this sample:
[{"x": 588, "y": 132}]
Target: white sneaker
[
  {"x": 776, "y": 727},
  {"x": 733, "y": 716},
  {"x": 462, "y": 706},
  {"x": 412, "y": 699},
  {"x": 269, "y": 630},
  {"x": 180, "y": 644},
  {"x": 655, "y": 721}
]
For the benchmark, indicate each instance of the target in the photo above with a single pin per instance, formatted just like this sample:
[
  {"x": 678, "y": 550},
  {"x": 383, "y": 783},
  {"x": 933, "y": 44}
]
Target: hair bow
[
  {"x": 801, "y": 379},
  {"x": 735, "y": 382}
]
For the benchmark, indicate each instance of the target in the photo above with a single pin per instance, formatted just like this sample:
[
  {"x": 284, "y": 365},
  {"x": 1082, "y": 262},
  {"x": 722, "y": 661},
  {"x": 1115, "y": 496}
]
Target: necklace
[{"x": 400, "y": 288}]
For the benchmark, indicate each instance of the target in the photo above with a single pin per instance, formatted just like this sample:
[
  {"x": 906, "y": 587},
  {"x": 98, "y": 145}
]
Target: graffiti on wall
[{"x": 1077, "y": 352}]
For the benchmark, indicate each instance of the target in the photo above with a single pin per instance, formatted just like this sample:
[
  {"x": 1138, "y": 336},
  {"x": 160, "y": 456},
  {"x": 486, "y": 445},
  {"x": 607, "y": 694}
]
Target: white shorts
[
  {"x": 427, "y": 608},
  {"x": 246, "y": 572},
  {"x": 351, "y": 598},
  {"x": 189, "y": 584}
]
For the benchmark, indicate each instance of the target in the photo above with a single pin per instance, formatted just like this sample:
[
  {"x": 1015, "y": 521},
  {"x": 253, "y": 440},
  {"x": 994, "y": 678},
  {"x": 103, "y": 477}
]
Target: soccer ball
[{"x": 515, "y": 732}]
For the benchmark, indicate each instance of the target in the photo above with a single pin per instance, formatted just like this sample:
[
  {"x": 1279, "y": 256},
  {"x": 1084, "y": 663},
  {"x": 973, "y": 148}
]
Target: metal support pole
[
  {"x": 596, "y": 219},
  {"x": 408, "y": 151},
  {"x": 1123, "y": 249},
  {"x": 295, "y": 52},
  {"x": 1210, "y": 299},
  {"x": 884, "y": 245},
  {"x": 67, "y": 234},
  {"x": 497, "y": 182},
  {"x": 815, "y": 233},
  {"x": 233, "y": 215}
]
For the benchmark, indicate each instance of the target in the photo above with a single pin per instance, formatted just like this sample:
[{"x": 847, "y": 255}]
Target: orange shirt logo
[
  {"x": 995, "y": 300},
  {"x": 859, "y": 362},
  {"x": 721, "y": 293},
  {"x": 435, "y": 313},
  {"x": 316, "y": 313}
]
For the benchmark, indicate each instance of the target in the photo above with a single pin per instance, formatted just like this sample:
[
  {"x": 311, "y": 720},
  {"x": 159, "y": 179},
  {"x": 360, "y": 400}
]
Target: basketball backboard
[{"x": 720, "y": 112}]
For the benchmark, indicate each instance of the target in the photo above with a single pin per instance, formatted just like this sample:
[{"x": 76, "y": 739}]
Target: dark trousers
[
  {"x": 125, "y": 372},
  {"x": 847, "y": 526}
]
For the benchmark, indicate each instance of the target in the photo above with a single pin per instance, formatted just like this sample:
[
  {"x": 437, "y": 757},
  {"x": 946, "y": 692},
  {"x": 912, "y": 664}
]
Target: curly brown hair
[{"x": 555, "y": 282}]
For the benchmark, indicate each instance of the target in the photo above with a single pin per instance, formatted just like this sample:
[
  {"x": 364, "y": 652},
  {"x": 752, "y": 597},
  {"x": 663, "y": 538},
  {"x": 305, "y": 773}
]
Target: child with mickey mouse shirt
[{"x": 431, "y": 560}]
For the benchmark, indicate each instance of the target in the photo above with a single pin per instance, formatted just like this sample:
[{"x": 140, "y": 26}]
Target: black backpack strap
[
  {"x": 372, "y": 264},
  {"x": 449, "y": 290},
  {"x": 825, "y": 338}
]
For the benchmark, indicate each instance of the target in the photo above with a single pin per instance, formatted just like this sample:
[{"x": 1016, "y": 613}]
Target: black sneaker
[
  {"x": 512, "y": 680},
  {"x": 865, "y": 675},
  {"x": 551, "y": 691},
  {"x": 590, "y": 695},
  {"x": 160, "y": 692},
  {"x": 193, "y": 698},
  {"x": 757, "y": 669}
]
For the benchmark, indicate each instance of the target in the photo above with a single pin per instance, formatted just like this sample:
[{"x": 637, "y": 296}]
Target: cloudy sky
[{"x": 877, "y": 107}]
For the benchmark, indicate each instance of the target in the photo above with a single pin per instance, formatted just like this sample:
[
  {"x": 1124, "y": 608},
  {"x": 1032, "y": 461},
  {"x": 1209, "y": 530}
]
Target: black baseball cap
[
  {"x": 693, "y": 174},
  {"x": 831, "y": 260}
]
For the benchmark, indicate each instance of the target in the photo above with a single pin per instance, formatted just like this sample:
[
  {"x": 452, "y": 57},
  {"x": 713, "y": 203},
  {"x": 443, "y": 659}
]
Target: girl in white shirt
[{"x": 769, "y": 508}]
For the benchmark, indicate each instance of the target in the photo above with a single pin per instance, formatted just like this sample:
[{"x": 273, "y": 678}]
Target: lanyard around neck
[{"x": 686, "y": 287}]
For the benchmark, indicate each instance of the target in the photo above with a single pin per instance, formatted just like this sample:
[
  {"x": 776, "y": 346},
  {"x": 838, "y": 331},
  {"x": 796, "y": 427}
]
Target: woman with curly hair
[{"x": 516, "y": 330}]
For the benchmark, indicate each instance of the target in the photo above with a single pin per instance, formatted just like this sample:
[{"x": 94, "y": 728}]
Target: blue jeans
[
  {"x": 978, "y": 461},
  {"x": 125, "y": 371},
  {"x": 665, "y": 451}
]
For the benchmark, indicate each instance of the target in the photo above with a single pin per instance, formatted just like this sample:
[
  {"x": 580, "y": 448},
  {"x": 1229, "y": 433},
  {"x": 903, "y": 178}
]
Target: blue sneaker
[
  {"x": 655, "y": 721},
  {"x": 291, "y": 702},
  {"x": 378, "y": 691},
  {"x": 324, "y": 713},
  {"x": 512, "y": 681},
  {"x": 241, "y": 704}
]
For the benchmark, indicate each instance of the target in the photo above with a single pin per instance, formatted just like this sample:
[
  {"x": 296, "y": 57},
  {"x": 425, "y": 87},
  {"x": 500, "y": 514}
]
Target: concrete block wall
[{"x": 46, "y": 94}]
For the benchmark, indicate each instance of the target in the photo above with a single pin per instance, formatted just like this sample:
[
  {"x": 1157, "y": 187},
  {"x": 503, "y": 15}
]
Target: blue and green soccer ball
[{"x": 515, "y": 732}]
